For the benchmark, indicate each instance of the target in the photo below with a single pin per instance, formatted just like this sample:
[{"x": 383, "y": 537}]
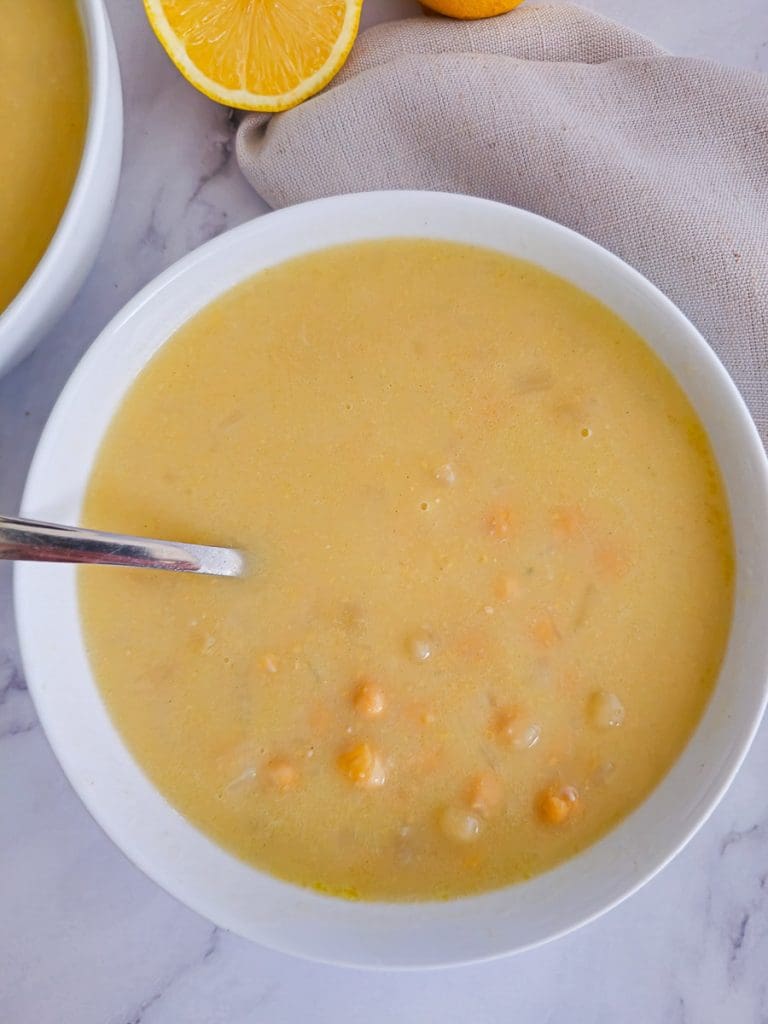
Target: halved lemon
[{"x": 256, "y": 54}]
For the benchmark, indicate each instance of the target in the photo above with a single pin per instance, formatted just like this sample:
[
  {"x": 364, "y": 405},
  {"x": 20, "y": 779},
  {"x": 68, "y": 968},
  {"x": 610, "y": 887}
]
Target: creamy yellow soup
[
  {"x": 43, "y": 114},
  {"x": 493, "y": 575}
]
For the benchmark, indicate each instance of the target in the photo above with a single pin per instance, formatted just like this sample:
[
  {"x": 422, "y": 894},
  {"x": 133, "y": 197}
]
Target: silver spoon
[{"x": 26, "y": 540}]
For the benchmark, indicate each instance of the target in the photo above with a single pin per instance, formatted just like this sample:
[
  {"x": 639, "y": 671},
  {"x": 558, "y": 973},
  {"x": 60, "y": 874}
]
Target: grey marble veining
[{"x": 85, "y": 938}]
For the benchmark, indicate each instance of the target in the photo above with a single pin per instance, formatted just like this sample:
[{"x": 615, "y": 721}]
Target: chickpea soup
[
  {"x": 493, "y": 570},
  {"x": 43, "y": 115}
]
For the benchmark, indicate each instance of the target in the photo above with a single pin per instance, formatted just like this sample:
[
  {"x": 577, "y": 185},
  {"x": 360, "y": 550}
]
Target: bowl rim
[
  {"x": 29, "y": 585},
  {"x": 30, "y": 306}
]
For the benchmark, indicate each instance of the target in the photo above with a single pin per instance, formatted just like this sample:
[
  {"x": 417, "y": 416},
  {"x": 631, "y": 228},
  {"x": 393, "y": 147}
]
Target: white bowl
[
  {"x": 178, "y": 856},
  {"x": 72, "y": 250}
]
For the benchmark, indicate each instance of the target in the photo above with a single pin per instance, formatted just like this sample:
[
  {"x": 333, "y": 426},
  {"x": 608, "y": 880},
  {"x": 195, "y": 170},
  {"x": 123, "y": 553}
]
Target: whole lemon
[{"x": 468, "y": 9}]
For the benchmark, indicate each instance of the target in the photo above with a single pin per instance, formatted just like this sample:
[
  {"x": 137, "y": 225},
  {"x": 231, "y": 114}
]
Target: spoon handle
[{"x": 29, "y": 541}]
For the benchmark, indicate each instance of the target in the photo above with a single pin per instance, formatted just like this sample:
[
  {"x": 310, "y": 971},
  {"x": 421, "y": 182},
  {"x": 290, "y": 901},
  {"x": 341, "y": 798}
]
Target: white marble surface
[{"x": 86, "y": 939}]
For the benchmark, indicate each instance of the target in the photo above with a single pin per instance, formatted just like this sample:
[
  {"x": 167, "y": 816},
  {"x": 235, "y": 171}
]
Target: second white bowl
[{"x": 72, "y": 250}]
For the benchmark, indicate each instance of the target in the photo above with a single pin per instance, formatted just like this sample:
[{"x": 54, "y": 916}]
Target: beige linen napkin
[{"x": 662, "y": 159}]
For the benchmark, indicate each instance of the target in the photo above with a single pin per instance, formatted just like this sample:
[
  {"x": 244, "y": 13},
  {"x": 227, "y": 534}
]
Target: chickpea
[
  {"x": 420, "y": 713},
  {"x": 605, "y": 710},
  {"x": 507, "y": 588},
  {"x": 459, "y": 825},
  {"x": 568, "y": 522},
  {"x": 268, "y": 663},
  {"x": 420, "y": 646},
  {"x": 613, "y": 563},
  {"x": 281, "y": 774},
  {"x": 446, "y": 474},
  {"x": 500, "y": 522},
  {"x": 362, "y": 765},
  {"x": 556, "y": 806},
  {"x": 510, "y": 727},
  {"x": 368, "y": 699},
  {"x": 544, "y": 632},
  {"x": 485, "y": 795}
]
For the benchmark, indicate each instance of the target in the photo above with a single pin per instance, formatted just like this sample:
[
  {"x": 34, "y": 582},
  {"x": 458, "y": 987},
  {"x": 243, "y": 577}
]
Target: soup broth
[{"x": 492, "y": 570}]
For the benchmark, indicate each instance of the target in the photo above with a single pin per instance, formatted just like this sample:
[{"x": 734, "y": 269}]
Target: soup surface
[
  {"x": 43, "y": 115},
  {"x": 493, "y": 570}
]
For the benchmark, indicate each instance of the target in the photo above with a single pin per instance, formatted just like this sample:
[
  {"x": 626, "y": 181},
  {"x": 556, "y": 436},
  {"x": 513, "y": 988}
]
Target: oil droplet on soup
[{"x": 496, "y": 583}]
